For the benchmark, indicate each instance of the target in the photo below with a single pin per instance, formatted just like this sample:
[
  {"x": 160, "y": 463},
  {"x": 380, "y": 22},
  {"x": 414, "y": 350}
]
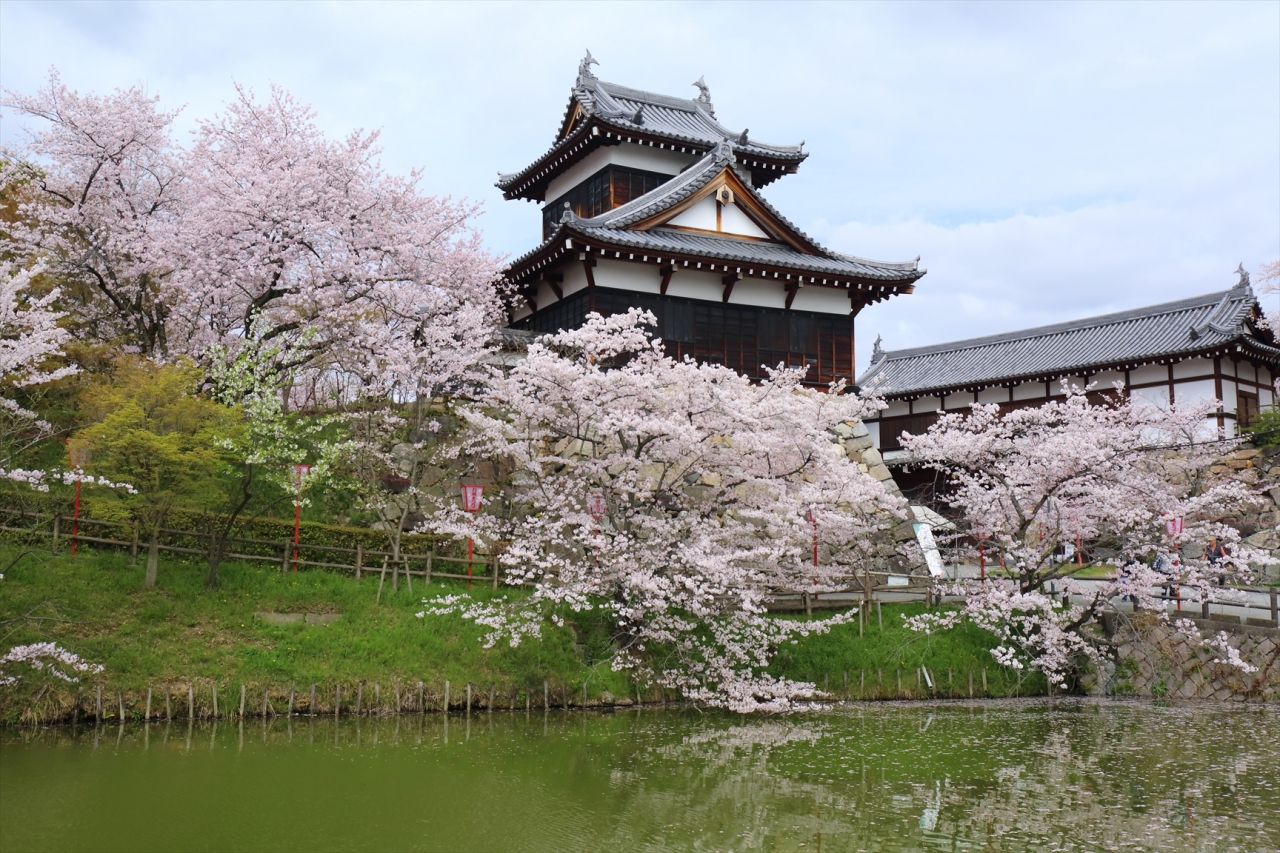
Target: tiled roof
[
  {"x": 1186, "y": 327},
  {"x": 687, "y": 123},
  {"x": 613, "y": 227}
]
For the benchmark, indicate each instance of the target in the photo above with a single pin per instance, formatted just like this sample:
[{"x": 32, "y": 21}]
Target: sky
[{"x": 1046, "y": 161}]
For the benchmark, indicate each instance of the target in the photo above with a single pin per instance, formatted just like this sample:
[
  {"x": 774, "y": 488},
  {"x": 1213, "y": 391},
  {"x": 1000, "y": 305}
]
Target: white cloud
[{"x": 1047, "y": 160}]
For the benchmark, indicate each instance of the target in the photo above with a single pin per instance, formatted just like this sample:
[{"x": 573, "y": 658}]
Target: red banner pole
[
  {"x": 75, "y": 520},
  {"x": 297, "y": 521}
]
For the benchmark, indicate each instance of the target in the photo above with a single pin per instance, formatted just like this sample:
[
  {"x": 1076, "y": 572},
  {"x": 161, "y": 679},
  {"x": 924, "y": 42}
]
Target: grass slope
[{"x": 178, "y": 633}]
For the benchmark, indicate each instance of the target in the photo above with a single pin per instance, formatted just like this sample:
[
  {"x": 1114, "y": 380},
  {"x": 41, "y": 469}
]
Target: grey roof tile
[{"x": 1184, "y": 327}]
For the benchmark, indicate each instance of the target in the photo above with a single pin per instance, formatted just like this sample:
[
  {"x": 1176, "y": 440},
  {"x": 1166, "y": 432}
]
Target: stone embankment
[
  {"x": 1258, "y": 467},
  {"x": 1153, "y": 658}
]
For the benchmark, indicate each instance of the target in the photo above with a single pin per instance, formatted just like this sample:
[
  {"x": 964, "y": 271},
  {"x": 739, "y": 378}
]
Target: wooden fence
[{"x": 285, "y": 553}]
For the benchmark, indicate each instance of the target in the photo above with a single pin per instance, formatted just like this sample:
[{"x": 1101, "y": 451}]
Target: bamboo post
[
  {"x": 584, "y": 693},
  {"x": 377, "y": 699},
  {"x": 337, "y": 701},
  {"x": 289, "y": 713},
  {"x": 1275, "y": 607},
  {"x": 146, "y": 715},
  {"x": 899, "y": 682},
  {"x": 879, "y": 616},
  {"x": 446, "y": 696},
  {"x": 359, "y": 558},
  {"x": 215, "y": 700},
  {"x": 284, "y": 562},
  {"x": 397, "y": 697},
  {"x": 122, "y": 706},
  {"x": 468, "y": 698},
  {"x": 191, "y": 701},
  {"x": 242, "y": 689},
  {"x": 57, "y": 529},
  {"x": 429, "y": 554},
  {"x": 421, "y": 707},
  {"x": 168, "y": 705},
  {"x": 408, "y": 578},
  {"x": 1204, "y": 609},
  {"x": 862, "y": 683},
  {"x": 311, "y": 709},
  {"x": 265, "y": 704},
  {"x": 546, "y": 696},
  {"x": 984, "y": 681},
  {"x": 359, "y": 696},
  {"x": 494, "y": 562},
  {"x": 490, "y": 708},
  {"x": 971, "y": 684},
  {"x": 97, "y": 708}
]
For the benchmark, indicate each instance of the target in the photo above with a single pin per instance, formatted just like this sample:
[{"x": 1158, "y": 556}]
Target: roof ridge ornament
[
  {"x": 568, "y": 216},
  {"x": 584, "y": 68},
  {"x": 1244, "y": 276},
  {"x": 876, "y": 352},
  {"x": 742, "y": 138},
  {"x": 638, "y": 118},
  {"x": 704, "y": 91}
]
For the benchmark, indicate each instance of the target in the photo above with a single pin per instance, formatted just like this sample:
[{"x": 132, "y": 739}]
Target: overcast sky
[{"x": 1046, "y": 161}]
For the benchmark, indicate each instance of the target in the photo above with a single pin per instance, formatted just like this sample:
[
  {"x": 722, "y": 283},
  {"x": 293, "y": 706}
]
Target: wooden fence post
[
  {"x": 429, "y": 554},
  {"x": 984, "y": 681},
  {"x": 421, "y": 707},
  {"x": 57, "y": 529},
  {"x": 168, "y": 704},
  {"x": 146, "y": 715},
  {"x": 133, "y": 550},
  {"x": 265, "y": 703},
  {"x": 289, "y": 713},
  {"x": 971, "y": 684},
  {"x": 215, "y": 700},
  {"x": 284, "y": 561},
  {"x": 242, "y": 701},
  {"x": 359, "y": 696},
  {"x": 97, "y": 712},
  {"x": 337, "y": 701},
  {"x": 468, "y": 698},
  {"x": 122, "y": 706},
  {"x": 311, "y": 709},
  {"x": 1275, "y": 607},
  {"x": 546, "y": 696},
  {"x": 381, "y": 578},
  {"x": 359, "y": 558},
  {"x": 446, "y": 696},
  {"x": 490, "y": 708},
  {"x": 191, "y": 701},
  {"x": 879, "y": 616},
  {"x": 493, "y": 560}
]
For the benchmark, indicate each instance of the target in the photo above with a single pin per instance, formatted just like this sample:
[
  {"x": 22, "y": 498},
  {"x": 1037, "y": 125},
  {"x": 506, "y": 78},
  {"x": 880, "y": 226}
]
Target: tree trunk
[{"x": 153, "y": 556}]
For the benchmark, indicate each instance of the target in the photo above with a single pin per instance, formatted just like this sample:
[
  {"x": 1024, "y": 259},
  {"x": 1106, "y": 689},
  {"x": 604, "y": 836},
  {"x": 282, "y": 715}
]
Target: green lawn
[{"x": 177, "y": 633}]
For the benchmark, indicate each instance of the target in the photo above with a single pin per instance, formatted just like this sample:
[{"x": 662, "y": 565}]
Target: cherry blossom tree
[
  {"x": 704, "y": 482},
  {"x": 1108, "y": 476},
  {"x": 31, "y": 344},
  {"x": 96, "y": 189},
  {"x": 1268, "y": 283},
  {"x": 284, "y": 230}
]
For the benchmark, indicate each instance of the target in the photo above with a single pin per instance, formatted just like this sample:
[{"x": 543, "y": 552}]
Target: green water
[{"x": 893, "y": 777}]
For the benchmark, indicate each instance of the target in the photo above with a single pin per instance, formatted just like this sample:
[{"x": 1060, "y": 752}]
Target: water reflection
[{"x": 980, "y": 776}]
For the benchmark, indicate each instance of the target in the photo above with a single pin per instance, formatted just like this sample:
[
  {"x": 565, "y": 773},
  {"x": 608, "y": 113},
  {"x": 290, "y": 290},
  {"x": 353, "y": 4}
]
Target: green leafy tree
[{"x": 154, "y": 430}]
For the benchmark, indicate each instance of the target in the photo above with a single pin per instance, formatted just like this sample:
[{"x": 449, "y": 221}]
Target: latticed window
[{"x": 612, "y": 186}]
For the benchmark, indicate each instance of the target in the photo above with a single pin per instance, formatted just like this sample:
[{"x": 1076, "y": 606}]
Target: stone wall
[
  {"x": 1152, "y": 658},
  {"x": 1259, "y": 467}
]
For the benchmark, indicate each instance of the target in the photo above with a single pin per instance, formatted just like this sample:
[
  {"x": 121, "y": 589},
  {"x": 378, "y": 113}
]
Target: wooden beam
[
  {"x": 728, "y": 281},
  {"x": 666, "y": 279},
  {"x": 588, "y": 263},
  {"x": 554, "y": 281},
  {"x": 792, "y": 290}
]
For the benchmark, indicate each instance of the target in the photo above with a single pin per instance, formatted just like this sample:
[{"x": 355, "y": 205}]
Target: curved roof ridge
[
  {"x": 1064, "y": 326},
  {"x": 902, "y": 265},
  {"x": 673, "y": 191}
]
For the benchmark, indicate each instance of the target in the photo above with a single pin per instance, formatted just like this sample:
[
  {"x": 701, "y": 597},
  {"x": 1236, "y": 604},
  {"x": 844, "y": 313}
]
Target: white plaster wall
[
  {"x": 701, "y": 215},
  {"x": 755, "y": 291},
  {"x": 734, "y": 221},
  {"x": 1028, "y": 391},
  {"x": 1245, "y": 370},
  {"x": 873, "y": 427},
  {"x": 521, "y": 310},
  {"x": 1196, "y": 389},
  {"x": 575, "y": 279},
  {"x": 1192, "y": 367},
  {"x": 1149, "y": 373},
  {"x": 926, "y": 405},
  {"x": 896, "y": 408},
  {"x": 993, "y": 395},
  {"x": 627, "y": 154},
  {"x": 1106, "y": 381},
  {"x": 625, "y": 275},
  {"x": 1265, "y": 397},
  {"x": 1158, "y": 396},
  {"x": 693, "y": 284},
  {"x": 827, "y": 300},
  {"x": 1264, "y": 376},
  {"x": 959, "y": 400},
  {"x": 1229, "y": 400}
]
